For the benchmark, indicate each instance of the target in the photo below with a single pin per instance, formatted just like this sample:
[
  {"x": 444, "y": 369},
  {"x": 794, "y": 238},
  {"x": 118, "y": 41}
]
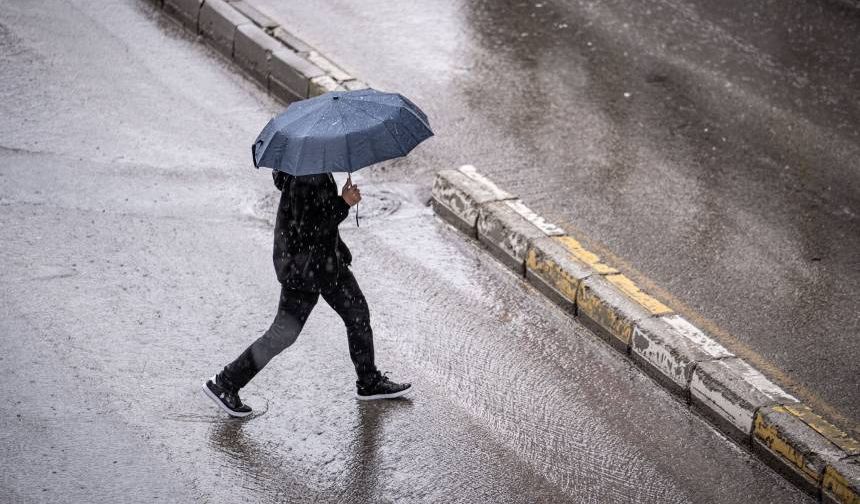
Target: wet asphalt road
[
  {"x": 708, "y": 149},
  {"x": 136, "y": 244}
]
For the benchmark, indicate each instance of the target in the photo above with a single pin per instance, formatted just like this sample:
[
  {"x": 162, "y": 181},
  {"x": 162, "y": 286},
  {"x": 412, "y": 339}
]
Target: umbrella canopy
[{"x": 340, "y": 131}]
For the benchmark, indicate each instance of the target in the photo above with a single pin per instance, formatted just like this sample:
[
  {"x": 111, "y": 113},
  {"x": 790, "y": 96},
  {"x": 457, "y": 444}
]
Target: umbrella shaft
[{"x": 349, "y": 179}]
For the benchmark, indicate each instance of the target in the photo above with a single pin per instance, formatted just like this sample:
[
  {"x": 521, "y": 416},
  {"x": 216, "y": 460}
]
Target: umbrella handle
[{"x": 349, "y": 178}]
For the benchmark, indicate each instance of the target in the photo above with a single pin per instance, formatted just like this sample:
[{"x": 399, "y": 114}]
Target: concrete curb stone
[
  {"x": 809, "y": 451},
  {"x": 729, "y": 391},
  {"x": 697, "y": 337},
  {"x": 628, "y": 287},
  {"x": 290, "y": 75},
  {"x": 252, "y": 50},
  {"x": 267, "y": 52},
  {"x": 592, "y": 260},
  {"x": 337, "y": 73},
  {"x": 792, "y": 448},
  {"x": 294, "y": 43},
  {"x": 607, "y": 312},
  {"x": 555, "y": 272},
  {"x": 457, "y": 198},
  {"x": 506, "y": 233},
  {"x": 535, "y": 219},
  {"x": 354, "y": 85},
  {"x": 666, "y": 354},
  {"x": 323, "y": 84},
  {"x": 840, "y": 439},
  {"x": 258, "y": 18},
  {"x": 841, "y": 482},
  {"x": 217, "y": 24},
  {"x": 184, "y": 11}
]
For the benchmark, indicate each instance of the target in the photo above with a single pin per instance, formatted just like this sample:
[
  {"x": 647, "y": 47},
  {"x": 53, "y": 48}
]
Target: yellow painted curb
[
  {"x": 565, "y": 283},
  {"x": 633, "y": 292},
  {"x": 833, "y": 434},
  {"x": 625, "y": 284},
  {"x": 770, "y": 435},
  {"x": 837, "y": 485},
  {"x": 815, "y": 451},
  {"x": 610, "y": 309},
  {"x": 581, "y": 254}
]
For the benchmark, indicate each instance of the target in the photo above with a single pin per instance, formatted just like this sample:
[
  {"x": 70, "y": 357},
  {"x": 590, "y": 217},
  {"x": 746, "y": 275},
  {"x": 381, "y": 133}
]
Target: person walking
[
  {"x": 311, "y": 261},
  {"x": 338, "y": 131}
]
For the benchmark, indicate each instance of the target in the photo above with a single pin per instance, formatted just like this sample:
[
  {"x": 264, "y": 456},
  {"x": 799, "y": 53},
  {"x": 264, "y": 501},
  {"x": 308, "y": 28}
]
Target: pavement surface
[
  {"x": 135, "y": 240},
  {"x": 707, "y": 149}
]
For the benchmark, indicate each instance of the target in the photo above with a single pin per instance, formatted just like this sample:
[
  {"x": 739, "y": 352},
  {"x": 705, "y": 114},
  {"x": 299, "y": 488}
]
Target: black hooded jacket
[{"x": 308, "y": 251}]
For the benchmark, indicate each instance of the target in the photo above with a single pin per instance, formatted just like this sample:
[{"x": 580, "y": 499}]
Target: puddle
[{"x": 215, "y": 415}]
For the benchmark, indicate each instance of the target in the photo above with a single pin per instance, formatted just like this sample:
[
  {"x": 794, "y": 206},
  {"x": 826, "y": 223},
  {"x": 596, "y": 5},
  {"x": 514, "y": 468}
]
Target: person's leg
[
  {"x": 348, "y": 301},
  {"x": 293, "y": 311}
]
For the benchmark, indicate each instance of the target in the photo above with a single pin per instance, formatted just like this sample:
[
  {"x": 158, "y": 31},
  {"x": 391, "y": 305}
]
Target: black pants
[{"x": 293, "y": 310}]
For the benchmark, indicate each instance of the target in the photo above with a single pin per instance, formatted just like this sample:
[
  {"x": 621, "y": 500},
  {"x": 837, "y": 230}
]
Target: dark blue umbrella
[{"x": 340, "y": 131}]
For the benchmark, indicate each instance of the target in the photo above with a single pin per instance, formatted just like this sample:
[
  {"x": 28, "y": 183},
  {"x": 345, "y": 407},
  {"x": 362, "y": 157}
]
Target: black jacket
[{"x": 308, "y": 251}]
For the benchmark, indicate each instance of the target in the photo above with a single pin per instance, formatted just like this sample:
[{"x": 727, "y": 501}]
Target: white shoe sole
[
  {"x": 374, "y": 397},
  {"x": 221, "y": 405}
]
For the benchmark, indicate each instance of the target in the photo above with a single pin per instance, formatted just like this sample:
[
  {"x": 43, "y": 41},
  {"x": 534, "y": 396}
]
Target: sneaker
[
  {"x": 225, "y": 399},
  {"x": 381, "y": 388}
]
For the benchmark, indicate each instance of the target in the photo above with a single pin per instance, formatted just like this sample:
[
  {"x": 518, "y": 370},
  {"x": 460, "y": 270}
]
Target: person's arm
[{"x": 315, "y": 202}]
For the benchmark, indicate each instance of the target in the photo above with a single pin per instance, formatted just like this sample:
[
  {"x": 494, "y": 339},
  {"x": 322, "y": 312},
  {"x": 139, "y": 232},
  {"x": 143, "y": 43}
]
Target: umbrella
[{"x": 340, "y": 131}]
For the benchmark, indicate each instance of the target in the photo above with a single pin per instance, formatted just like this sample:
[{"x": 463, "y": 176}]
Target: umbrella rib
[
  {"x": 414, "y": 108},
  {"x": 365, "y": 112},
  {"x": 420, "y": 116},
  {"x": 345, "y": 140},
  {"x": 368, "y": 114},
  {"x": 313, "y": 125},
  {"x": 408, "y": 130},
  {"x": 304, "y": 139},
  {"x": 384, "y": 123},
  {"x": 395, "y": 107},
  {"x": 308, "y": 112},
  {"x": 399, "y": 145}
]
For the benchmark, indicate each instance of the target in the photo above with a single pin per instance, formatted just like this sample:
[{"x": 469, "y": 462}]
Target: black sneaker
[
  {"x": 227, "y": 400},
  {"x": 381, "y": 388}
]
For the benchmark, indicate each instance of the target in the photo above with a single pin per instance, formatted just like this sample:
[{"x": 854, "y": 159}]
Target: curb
[
  {"x": 732, "y": 395},
  {"x": 287, "y": 68}
]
